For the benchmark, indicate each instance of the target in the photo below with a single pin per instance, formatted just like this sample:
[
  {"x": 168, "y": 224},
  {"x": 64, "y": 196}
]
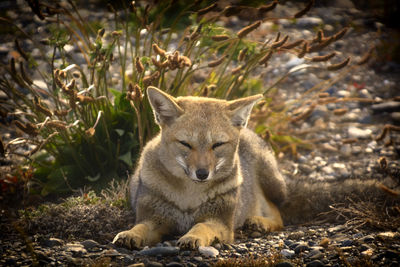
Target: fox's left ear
[{"x": 241, "y": 109}]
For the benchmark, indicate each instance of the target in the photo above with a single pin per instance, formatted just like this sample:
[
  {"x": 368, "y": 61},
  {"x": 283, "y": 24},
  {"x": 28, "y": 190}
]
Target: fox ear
[
  {"x": 165, "y": 109},
  {"x": 241, "y": 109}
]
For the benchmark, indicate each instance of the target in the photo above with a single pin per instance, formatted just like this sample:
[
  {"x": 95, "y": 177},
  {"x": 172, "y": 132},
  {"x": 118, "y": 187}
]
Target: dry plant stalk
[
  {"x": 139, "y": 65},
  {"x": 278, "y": 44},
  {"x": 248, "y": 29},
  {"x": 323, "y": 58},
  {"x": 207, "y": 9},
  {"x": 242, "y": 54},
  {"x": 366, "y": 57},
  {"x": 303, "y": 51},
  {"x": 220, "y": 37},
  {"x": 386, "y": 129},
  {"x": 305, "y": 10},
  {"x": 293, "y": 44},
  {"x": 216, "y": 62},
  {"x": 340, "y": 111},
  {"x": 305, "y": 114},
  {"x": 265, "y": 8},
  {"x": 265, "y": 58},
  {"x": 158, "y": 50},
  {"x": 368, "y": 213},
  {"x": 339, "y": 65}
]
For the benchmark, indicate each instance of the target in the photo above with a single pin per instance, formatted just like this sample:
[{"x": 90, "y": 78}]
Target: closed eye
[
  {"x": 185, "y": 144},
  {"x": 218, "y": 144}
]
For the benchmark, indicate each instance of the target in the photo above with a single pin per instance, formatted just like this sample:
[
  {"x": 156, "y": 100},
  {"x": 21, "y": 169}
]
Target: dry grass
[{"x": 369, "y": 214}]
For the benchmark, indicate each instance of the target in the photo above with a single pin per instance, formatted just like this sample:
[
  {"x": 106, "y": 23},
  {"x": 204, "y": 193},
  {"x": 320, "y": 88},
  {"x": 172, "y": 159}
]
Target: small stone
[
  {"x": 328, "y": 148},
  {"x": 198, "y": 259},
  {"x": 391, "y": 254},
  {"x": 140, "y": 264},
  {"x": 301, "y": 248},
  {"x": 284, "y": 264},
  {"x": 395, "y": 116},
  {"x": 305, "y": 168},
  {"x": 89, "y": 244},
  {"x": 336, "y": 228},
  {"x": 367, "y": 253},
  {"x": 174, "y": 264},
  {"x": 346, "y": 243},
  {"x": 296, "y": 235},
  {"x": 52, "y": 242},
  {"x": 343, "y": 93},
  {"x": 385, "y": 236},
  {"x": 355, "y": 132},
  {"x": 315, "y": 263},
  {"x": 368, "y": 238},
  {"x": 288, "y": 253},
  {"x": 288, "y": 242},
  {"x": 208, "y": 251},
  {"x": 389, "y": 106},
  {"x": 162, "y": 251},
  {"x": 309, "y": 22},
  {"x": 255, "y": 234},
  {"x": 154, "y": 264},
  {"x": 345, "y": 149},
  {"x": 348, "y": 248},
  {"x": 77, "y": 249}
]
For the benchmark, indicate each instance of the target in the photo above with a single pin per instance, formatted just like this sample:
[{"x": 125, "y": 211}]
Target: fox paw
[
  {"x": 260, "y": 224},
  {"x": 128, "y": 239},
  {"x": 191, "y": 242}
]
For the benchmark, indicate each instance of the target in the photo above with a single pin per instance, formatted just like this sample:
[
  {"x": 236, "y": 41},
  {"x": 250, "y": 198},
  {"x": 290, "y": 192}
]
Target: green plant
[{"x": 88, "y": 128}]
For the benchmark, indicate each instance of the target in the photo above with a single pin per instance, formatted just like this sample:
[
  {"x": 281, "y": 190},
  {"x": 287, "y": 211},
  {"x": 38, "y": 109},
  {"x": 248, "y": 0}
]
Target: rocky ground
[{"x": 343, "y": 148}]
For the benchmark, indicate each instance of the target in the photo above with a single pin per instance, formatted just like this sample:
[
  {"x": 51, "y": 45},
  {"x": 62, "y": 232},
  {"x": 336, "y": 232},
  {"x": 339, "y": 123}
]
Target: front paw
[
  {"x": 192, "y": 242},
  {"x": 129, "y": 239}
]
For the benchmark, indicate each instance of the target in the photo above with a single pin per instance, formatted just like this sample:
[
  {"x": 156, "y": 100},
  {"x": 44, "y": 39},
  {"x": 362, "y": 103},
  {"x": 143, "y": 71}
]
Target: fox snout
[{"x": 202, "y": 174}]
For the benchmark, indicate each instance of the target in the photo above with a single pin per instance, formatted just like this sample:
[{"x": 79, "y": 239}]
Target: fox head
[{"x": 199, "y": 135}]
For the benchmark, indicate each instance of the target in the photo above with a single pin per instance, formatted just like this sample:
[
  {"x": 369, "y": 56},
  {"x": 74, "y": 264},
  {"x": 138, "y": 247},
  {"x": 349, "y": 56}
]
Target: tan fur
[{"x": 204, "y": 175}]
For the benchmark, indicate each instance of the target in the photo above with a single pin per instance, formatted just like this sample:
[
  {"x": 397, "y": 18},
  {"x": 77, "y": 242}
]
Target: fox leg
[
  {"x": 205, "y": 233},
  {"x": 272, "y": 222},
  {"x": 143, "y": 234}
]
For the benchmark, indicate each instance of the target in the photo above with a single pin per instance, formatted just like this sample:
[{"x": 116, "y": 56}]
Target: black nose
[{"x": 202, "y": 174}]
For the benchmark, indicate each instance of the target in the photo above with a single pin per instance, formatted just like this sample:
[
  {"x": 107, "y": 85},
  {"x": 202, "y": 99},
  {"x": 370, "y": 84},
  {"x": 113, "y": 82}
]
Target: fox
[{"x": 204, "y": 175}]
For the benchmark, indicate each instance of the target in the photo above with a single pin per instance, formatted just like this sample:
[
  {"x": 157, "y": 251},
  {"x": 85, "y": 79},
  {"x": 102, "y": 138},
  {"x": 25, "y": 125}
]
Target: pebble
[
  {"x": 77, "y": 249},
  {"x": 154, "y": 264},
  {"x": 389, "y": 106},
  {"x": 284, "y": 264},
  {"x": 301, "y": 248},
  {"x": 315, "y": 263},
  {"x": 208, "y": 251},
  {"x": 52, "y": 242},
  {"x": 355, "y": 132},
  {"x": 89, "y": 244},
  {"x": 310, "y": 21},
  {"x": 162, "y": 251},
  {"x": 174, "y": 264},
  {"x": 288, "y": 253}
]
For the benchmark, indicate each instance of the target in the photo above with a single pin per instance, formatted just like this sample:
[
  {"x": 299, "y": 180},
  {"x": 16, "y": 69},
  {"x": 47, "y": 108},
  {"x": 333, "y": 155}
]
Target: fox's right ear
[{"x": 165, "y": 109}]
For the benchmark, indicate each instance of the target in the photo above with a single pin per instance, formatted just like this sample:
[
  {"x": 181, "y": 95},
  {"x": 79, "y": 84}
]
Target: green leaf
[
  {"x": 93, "y": 179},
  {"x": 120, "y": 132},
  {"x": 126, "y": 158}
]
